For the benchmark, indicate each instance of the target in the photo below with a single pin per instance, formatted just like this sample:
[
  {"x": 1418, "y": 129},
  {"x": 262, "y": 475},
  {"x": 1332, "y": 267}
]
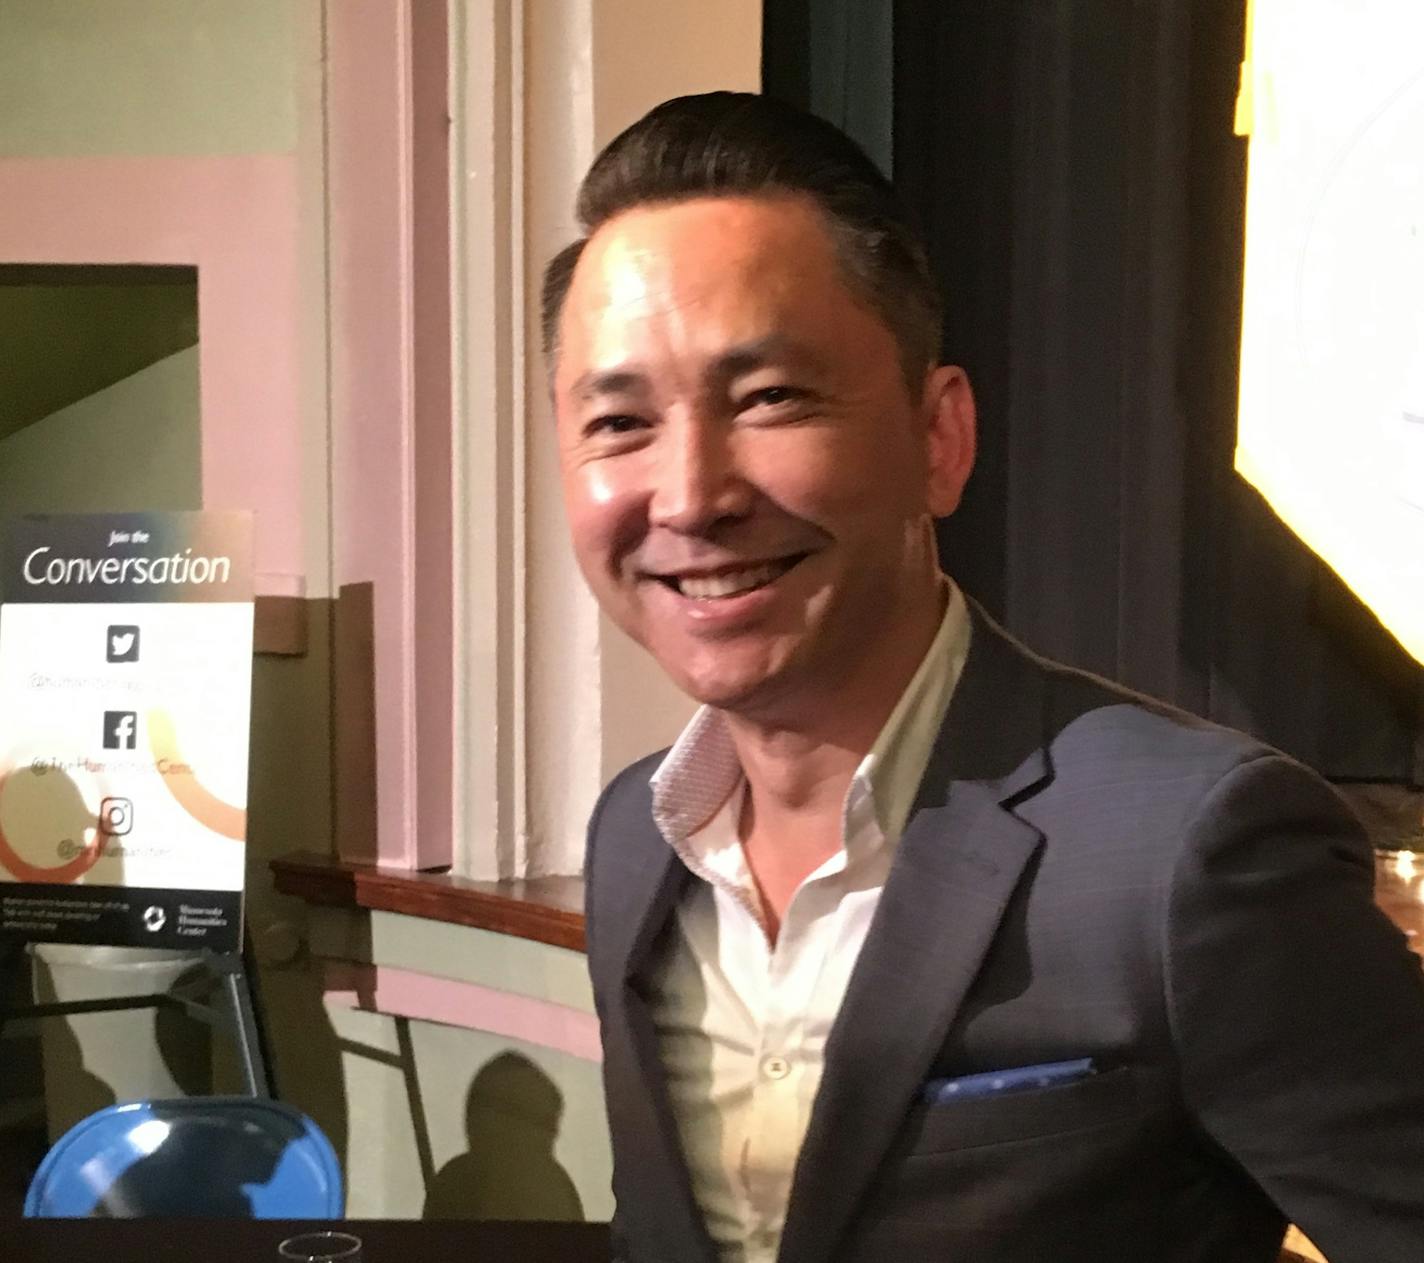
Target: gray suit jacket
[{"x": 1084, "y": 874}]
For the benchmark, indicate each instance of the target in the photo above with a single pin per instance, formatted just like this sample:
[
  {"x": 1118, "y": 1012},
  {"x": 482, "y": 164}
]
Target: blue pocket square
[{"x": 1050, "y": 1074}]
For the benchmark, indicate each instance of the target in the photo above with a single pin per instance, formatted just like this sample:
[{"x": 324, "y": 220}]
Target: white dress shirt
[{"x": 742, "y": 1023}]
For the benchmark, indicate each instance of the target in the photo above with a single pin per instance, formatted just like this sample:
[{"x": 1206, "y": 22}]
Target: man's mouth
[{"x": 729, "y": 582}]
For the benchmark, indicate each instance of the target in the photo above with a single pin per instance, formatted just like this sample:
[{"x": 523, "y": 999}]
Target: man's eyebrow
[
  {"x": 745, "y": 357},
  {"x": 750, "y": 356},
  {"x": 608, "y": 381}
]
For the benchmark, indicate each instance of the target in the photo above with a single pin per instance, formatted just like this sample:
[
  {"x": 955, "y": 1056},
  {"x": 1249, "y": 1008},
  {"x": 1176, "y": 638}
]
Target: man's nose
[{"x": 697, "y": 481}]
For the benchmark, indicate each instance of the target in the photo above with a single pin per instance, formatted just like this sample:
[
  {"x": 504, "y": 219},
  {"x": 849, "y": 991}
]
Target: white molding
[
  {"x": 488, "y": 444},
  {"x": 552, "y": 699}
]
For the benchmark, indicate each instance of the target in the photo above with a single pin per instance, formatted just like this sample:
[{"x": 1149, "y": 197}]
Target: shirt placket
[{"x": 780, "y": 1099}]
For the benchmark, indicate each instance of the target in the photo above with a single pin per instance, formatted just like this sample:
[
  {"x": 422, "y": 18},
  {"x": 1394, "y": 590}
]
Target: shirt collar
[
  {"x": 892, "y": 771},
  {"x": 701, "y": 770}
]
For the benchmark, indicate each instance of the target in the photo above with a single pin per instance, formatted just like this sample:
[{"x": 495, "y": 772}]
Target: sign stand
[
  {"x": 225, "y": 998},
  {"x": 125, "y": 678}
]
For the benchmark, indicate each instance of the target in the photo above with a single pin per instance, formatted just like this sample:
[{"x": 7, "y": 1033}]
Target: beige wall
[{"x": 148, "y": 76}]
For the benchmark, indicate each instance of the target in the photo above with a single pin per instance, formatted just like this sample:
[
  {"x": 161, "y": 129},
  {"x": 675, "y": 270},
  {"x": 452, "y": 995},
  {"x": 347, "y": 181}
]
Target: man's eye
[
  {"x": 613, "y": 424},
  {"x": 772, "y": 397}
]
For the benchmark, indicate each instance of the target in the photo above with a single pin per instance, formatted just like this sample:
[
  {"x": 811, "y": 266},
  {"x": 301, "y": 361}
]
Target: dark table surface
[{"x": 246, "y": 1240}]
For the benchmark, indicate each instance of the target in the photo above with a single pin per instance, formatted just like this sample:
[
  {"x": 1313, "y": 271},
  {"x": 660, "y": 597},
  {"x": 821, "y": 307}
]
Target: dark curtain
[{"x": 1074, "y": 167}]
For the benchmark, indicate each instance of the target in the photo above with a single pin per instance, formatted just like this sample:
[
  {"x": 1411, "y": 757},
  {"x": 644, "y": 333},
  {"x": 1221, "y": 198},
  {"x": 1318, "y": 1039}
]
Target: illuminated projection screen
[{"x": 1331, "y": 427}]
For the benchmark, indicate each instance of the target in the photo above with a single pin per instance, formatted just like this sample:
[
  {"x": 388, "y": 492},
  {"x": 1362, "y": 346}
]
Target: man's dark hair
[{"x": 726, "y": 144}]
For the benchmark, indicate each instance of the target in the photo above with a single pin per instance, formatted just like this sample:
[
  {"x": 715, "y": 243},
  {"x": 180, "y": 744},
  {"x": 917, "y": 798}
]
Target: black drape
[{"x": 1074, "y": 167}]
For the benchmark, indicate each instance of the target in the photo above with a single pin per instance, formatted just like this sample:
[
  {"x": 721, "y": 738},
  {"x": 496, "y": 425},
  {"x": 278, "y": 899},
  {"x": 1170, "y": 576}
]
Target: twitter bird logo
[{"x": 122, "y": 644}]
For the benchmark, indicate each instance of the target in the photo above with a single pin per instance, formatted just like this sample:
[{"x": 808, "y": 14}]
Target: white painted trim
[
  {"x": 552, "y": 699},
  {"x": 488, "y": 441}
]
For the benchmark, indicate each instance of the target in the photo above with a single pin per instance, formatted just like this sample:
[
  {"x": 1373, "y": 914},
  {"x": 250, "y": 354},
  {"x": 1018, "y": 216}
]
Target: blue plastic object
[{"x": 213, "y": 1156}]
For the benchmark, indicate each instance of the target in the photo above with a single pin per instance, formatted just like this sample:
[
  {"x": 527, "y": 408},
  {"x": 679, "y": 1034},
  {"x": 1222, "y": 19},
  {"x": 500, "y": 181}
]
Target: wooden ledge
[{"x": 545, "y": 909}]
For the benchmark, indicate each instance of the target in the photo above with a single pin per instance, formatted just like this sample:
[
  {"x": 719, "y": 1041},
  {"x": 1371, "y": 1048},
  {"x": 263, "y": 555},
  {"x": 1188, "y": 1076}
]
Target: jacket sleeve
[{"x": 1298, "y": 1011}]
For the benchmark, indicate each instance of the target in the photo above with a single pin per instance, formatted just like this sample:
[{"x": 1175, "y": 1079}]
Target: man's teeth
[{"x": 705, "y": 587}]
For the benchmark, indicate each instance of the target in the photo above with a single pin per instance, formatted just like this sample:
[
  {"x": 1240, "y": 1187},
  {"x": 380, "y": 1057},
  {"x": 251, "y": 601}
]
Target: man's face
[{"x": 749, "y": 482}]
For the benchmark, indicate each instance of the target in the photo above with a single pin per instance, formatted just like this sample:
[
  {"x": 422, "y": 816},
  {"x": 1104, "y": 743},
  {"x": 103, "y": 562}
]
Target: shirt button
[{"x": 776, "y": 1067}]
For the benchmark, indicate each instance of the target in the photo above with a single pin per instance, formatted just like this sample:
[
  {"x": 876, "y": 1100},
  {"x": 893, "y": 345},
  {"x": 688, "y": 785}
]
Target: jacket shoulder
[
  {"x": 629, "y": 790},
  {"x": 1078, "y": 702}
]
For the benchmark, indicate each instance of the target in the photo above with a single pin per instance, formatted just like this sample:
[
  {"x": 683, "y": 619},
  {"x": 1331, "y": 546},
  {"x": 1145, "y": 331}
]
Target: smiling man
[{"x": 915, "y": 945}]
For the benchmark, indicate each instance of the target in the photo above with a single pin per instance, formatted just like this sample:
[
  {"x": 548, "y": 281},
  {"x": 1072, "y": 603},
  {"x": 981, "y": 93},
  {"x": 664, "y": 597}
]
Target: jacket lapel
[
  {"x": 641, "y": 879},
  {"x": 958, "y": 863},
  {"x": 641, "y": 882}
]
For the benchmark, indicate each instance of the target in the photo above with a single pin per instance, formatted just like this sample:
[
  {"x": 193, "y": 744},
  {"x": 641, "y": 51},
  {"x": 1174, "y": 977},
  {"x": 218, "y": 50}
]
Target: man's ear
[{"x": 950, "y": 434}]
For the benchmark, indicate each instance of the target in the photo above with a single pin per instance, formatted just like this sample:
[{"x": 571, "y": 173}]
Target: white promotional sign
[
  {"x": 1331, "y": 427},
  {"x": 125, "y": 683}
]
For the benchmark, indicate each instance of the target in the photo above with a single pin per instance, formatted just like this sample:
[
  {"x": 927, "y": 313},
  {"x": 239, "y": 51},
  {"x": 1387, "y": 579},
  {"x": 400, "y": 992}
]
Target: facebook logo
[{"x": 120, "y": 729}]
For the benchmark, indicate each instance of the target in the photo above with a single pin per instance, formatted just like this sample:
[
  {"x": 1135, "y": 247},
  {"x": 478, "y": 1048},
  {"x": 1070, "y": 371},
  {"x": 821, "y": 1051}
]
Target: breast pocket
[{"x": 1100, "y": 1100}]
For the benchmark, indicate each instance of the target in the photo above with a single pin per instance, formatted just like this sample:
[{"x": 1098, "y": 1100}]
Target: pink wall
[
  {"x": 404, "y": 993},
  {"x": 235, "y": 218},
  {"x": 392, "y": 481}
]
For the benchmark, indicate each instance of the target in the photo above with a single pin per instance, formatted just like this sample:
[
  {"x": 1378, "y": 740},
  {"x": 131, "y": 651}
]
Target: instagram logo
[{"x": 115, "y": 817}]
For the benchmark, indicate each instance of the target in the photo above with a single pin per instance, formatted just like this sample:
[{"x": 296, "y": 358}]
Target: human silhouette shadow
[
  {"x": 512, "y": 1115},
  {"x": 46, "y": 822},
  {"x": 85, "y": 1092}
]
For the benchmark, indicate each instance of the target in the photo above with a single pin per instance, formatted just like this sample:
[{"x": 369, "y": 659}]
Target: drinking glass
[
  {"x": 321, "y": 1247},
  {"x": 1399, "y": 890}
]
